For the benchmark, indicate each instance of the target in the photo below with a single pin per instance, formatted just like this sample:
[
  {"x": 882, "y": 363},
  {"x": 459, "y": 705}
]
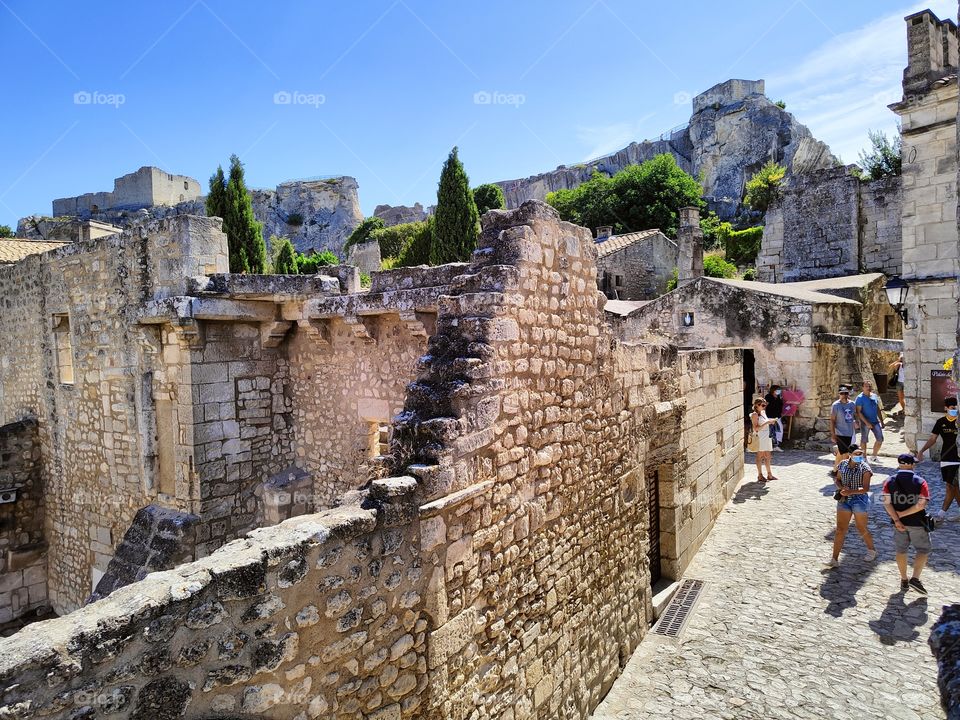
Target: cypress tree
[
  {"x": 456, "y": 222},
  {"x": 217, "y": 197},
  {"x": 248, "y": 252},
  {"x": 286, "y": 262}
]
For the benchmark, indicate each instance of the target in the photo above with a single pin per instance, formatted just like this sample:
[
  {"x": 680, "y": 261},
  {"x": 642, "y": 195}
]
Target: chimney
[
  {"x": 604, "y": 232},
  {"x": 690, "y": 242},
  {"x": 931, "y": 50}
]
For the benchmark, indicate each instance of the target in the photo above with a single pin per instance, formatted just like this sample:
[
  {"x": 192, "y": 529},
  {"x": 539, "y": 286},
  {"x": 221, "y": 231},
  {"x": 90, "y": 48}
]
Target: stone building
[
  {"x": 928, "y": 116},
  {"x": 147, "y": 187},
  {"x": 510, "y": 478},
  {"x": 830, "y": 223},
  {"x": 635, "y": 266},
  {"x": 808, "y": 335}
]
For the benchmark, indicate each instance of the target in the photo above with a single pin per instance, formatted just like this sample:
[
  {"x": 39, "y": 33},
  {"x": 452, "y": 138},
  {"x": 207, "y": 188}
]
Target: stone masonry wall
[
  {"x": 645, "y": 266},
  {"x": 829, "y": 224},
  {"x": 23, "y": 562},
  {"x": 77, "y": 306}
]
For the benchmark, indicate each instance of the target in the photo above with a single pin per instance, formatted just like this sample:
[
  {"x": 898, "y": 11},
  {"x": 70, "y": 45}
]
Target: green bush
[
  {"x": 743, "y": 246},
  {"x": 781, "y": 104},
  {"x": 417, "y": 249},
  {"x": 365, "y": 280},
  {"x": 638, "y": 197},
  {"x": 716, "y": 267},
  {"x": 285, "y": 260},
  {"x": 362, "y": 232},
  {"x": 764, "y": 187},
  {"x": 672, "y": 282},
  {"x": 309, "y": 264},
  {"x": 6, "y": 231},
  {"x": 295, "y": 219},
  {"x": 884, "y": 158},
  {"x": 715, "y": 231},
  {"x": 489, "y": 197},
  {"x": 394, "y": 239},
  {"x": 749, "y": 274}
]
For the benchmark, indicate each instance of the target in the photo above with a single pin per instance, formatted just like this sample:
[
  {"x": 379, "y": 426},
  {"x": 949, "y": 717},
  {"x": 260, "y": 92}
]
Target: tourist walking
[
  {"x": 761, "y": 426},
  {"x": 870, "y": 416},
  {"x": 945, "y": 428},
  {"x": 843, "y": 425},
  {"x": 905, "y": 497},
  {"x": 775, "y": 412},
  {"x": 897, "y": 366},
  {"x": 853, "y": 500}
]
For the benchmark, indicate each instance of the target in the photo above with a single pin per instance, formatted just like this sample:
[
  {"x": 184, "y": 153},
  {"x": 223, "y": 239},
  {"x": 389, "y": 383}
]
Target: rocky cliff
[
  {"x": 733, "y": 131},
  {"x": 400, "y": 214},
  {"x": 314, "y": 214}
]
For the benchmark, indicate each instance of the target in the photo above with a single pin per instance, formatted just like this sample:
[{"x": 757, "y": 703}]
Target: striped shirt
[{"x": 851, "y": 474}]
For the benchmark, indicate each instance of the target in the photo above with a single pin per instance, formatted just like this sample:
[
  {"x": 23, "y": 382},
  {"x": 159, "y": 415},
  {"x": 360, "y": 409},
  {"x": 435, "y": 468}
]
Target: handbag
[
  {"x": 753, "y": 442},
  {"x": 929, "y": 524}
]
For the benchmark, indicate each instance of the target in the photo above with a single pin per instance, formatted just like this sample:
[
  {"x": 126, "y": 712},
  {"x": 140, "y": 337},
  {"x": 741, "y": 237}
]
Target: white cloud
[
  {"x": 606, "y": 139},
  {"x": 842, "y": 89}
]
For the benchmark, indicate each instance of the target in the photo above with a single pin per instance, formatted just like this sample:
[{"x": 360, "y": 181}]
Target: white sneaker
[
  {"x": 778, "y": 449},
  {"x": 870, "y": 556},
  {"x": 833, "y": 563},
  {"x": 939, "y": 515}
]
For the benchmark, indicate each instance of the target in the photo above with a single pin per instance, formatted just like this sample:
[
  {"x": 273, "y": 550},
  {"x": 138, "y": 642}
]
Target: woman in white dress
[{"x": 761, "y": 426}]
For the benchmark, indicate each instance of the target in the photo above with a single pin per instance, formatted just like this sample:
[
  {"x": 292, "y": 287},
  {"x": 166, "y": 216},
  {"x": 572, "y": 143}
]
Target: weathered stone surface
[{"x": 400, "y": 214}]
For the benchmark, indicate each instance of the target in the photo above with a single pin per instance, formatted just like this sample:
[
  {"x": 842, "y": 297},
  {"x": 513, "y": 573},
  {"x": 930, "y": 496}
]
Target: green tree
[
  {"x": 638, "y": 197},
  {"x": 716, "y": 267},
  {"x": 885, "y": 156},
  {"x": 248, "y": 251},
  {"x": 715, "y": 231},
  {"x": 217, "y": 197},
  {"x": 489, "y": 197},
  {"x": 286, "y": 258},
  {"x": 361, "y": 233},
  {"x": 6, "y": 231},
  {"x": 310, "y": 264},
  {"x": 456, "y": 222},
  {"x": 764, "y": 187}
]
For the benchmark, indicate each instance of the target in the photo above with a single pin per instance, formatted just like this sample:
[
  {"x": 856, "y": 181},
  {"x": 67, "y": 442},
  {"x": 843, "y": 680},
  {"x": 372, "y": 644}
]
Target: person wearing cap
[
  {"x": 870, "y": 416},
  {"x": 946, "y": 430},
  {"x": 905, "y": 498},
  {"x": 843, "y": 425},
  {"x": 853, "y": 500}
]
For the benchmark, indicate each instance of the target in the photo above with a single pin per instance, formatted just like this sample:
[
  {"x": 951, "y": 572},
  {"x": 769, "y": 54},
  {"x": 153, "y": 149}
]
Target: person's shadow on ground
[
  {"x": 750, "y": 491},
  {"x": 840, "y": 585},
  {"x": 900, "y": 620}
]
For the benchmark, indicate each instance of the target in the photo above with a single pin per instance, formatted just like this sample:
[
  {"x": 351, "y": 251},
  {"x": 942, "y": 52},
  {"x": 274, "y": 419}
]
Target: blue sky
[{"x": 382, "y": 89}]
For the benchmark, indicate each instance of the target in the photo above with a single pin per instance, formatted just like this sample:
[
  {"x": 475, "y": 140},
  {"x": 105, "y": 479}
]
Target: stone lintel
[
  {"x": 453, "y": 499},
  {"x": 858, "y": 341}
]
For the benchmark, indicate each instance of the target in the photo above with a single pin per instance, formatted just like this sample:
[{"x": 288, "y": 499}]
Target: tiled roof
[
  {"x": 13, "y": 250},
  {"x": 619, "y": 242}
]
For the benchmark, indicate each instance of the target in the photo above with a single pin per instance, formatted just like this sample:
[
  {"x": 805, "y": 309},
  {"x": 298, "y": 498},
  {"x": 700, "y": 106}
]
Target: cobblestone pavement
[{"x": 776, "y": 635}]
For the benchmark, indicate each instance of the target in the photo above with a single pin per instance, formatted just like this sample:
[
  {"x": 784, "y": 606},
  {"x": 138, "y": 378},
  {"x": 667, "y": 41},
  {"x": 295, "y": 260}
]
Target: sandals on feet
[
  {"x": 771, "y": 478},
  {"x": 761, "y": 478}
]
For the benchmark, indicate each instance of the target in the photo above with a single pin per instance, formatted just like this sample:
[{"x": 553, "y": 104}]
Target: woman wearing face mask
[
  {"x": 853, "y": 499},
  {"x": 946, "y": 429},
  {"x": 761, "y": 426},
  {"x": 775, "y": 412}
]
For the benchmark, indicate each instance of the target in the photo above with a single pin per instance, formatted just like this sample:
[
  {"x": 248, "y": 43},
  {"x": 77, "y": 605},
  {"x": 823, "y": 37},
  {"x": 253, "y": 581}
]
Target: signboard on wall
[{"x": 942, "y": 386}]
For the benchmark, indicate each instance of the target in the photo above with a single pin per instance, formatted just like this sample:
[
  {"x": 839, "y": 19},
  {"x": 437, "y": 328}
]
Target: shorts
[
  {"x": 843, "y": 443},
  {"x": 949, "y": 474},
  {"x": 914, "y": 535},
  {"x": 865, "y": 433},
  {"x": 855, "y": 503}
]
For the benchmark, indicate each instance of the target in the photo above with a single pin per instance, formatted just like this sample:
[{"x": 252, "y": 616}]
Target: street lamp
[{"x": 897, "y": 290}]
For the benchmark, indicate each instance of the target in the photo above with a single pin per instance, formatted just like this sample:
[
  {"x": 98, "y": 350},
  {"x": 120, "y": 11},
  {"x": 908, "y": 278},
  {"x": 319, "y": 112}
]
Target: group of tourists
[{"x": 905, "y": 495}]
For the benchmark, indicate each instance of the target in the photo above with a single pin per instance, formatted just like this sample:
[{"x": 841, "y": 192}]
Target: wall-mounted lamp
[{"x": 897, "y": 290}]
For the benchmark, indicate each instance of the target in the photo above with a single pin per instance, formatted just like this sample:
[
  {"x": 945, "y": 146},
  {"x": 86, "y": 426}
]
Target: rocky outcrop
[
  {"x": 733, "y": 131},
  {"x": 314, "y": 214},
  {"x": 400, "y": 214}
]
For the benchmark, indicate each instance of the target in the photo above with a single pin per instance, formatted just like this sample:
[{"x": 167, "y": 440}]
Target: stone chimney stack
[
  {"x": 690, "y": 250},
  {"x": 604, "y": 232},
  {"x": 931, "y": 50}
]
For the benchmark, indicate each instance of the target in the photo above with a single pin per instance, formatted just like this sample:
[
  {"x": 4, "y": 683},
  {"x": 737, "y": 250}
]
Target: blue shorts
[
  {"x": 855, "y": 503},
  {"x": 865, "y": 429}
]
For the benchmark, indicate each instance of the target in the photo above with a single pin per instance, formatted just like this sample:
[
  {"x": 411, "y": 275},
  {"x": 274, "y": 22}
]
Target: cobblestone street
[{"x": 776, "y": 635}]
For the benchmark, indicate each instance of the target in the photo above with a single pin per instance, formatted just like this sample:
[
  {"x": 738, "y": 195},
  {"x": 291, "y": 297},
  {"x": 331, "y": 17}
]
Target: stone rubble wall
[
  {"x": 830, "y": 224},
  {"x": 318, "y": 617},
  {"x": 147, "y": 187},
  {"x": 645, "y": 266},
  {"x": 23, "y": 561},
  {"x": 93, "y": 456}
]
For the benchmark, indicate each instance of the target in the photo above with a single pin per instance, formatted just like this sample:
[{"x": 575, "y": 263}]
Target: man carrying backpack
[{"x": 905, "y": 498}]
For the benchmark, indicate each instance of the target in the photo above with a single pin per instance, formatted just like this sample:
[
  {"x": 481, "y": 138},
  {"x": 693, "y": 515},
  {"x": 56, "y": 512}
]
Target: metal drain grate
[{"x": 675, "y": 617}]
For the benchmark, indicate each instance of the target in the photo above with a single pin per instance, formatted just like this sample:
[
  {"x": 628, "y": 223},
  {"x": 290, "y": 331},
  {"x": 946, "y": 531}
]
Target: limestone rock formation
[
  {"x": 314, "y": 214},
  {"x": 733, "y": 131},
  {"x": 400, "y": 214}
]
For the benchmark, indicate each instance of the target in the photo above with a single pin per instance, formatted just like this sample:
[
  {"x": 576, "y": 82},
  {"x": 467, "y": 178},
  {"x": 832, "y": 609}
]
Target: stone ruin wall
[
  {"x": 147, "y": 187},
  {"x": 830, "y": 224},
  {"x": 646, "y": 267},
  {"x": 505, "y": 576},
  {"x": 90, "y": 430},
  {"x": 23, "y": 562}
]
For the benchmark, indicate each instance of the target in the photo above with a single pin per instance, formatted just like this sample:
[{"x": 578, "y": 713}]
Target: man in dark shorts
[
  {"x": 946, "y": 429},
  {"x": 843, "y": 425},
  {"x": 905, "y": 498}
]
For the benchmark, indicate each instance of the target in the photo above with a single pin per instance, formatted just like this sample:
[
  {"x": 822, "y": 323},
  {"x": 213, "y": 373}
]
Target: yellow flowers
[{"x": 948, "y": 365}]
